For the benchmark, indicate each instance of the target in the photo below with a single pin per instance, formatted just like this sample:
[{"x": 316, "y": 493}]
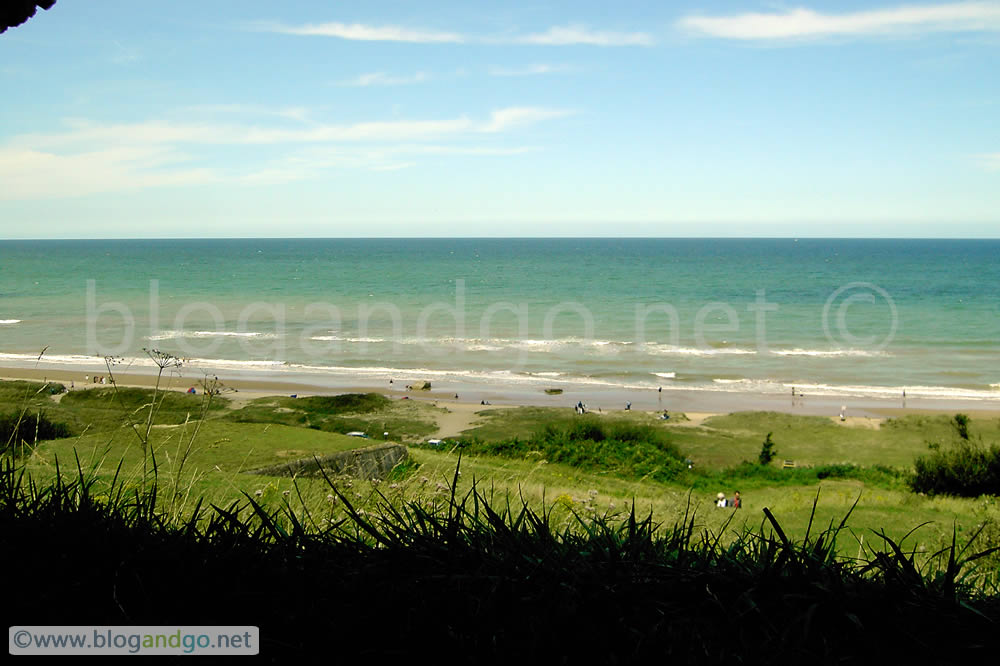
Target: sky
[{"x": 461, "y": 119}]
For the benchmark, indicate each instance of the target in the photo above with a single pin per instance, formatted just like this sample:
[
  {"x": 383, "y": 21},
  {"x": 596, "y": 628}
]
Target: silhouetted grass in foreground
[{"x": 476, "y": 578}]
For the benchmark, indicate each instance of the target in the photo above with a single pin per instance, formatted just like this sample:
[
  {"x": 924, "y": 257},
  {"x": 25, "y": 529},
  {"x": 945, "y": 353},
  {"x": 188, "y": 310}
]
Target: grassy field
[{"x": 203, "y": 448}]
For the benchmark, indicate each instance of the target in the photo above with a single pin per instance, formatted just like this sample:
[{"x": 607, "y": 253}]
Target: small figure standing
[
  {"x": 737, "y": 501},
  {"x": 628, "y": 406}
]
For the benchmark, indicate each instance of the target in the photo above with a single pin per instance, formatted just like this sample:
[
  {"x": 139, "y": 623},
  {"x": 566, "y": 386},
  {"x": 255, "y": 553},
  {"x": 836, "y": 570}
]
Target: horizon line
[{"x": 270, "y": 238}]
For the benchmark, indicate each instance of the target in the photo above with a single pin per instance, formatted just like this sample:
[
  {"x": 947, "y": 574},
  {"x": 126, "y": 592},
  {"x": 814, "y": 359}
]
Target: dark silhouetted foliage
[
  {"x": 478, "y": 580},
  {"x": 15, "y": 12}
]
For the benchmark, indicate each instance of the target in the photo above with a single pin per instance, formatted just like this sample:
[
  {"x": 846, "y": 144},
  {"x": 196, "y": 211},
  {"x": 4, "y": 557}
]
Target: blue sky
[{"x": 218, "y": 119}]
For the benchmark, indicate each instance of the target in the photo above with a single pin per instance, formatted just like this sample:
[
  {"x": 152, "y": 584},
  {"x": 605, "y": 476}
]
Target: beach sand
[{"x": 696, "y": 405}]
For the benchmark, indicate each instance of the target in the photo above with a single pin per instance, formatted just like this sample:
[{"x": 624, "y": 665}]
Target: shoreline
[{"x": 453, "y": 394}]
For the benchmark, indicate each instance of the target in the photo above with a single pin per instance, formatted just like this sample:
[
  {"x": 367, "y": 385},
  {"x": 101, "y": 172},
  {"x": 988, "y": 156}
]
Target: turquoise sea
[{"x": 830, "y": 317}]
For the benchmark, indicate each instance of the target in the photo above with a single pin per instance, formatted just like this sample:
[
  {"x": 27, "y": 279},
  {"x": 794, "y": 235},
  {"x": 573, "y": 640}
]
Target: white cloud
[
  {"x": 33, "y": 174},
  {"x": 383, "y": 79},
  {"x": 554, "y": 36},
  {"x": 82, "y": 133},
  {"x": 578, "y": 34},
  {"x": 529, "y": 70},
  {"x": 368, "y": 33},
  {"x": 516, "y": 116},
  {"x": 801, "y": 23},
  {"x": 90, "y": 158}
]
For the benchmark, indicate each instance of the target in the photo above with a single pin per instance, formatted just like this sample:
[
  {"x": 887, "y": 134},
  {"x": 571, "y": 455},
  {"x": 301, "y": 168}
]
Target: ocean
[{"x": 840, "y": 318}]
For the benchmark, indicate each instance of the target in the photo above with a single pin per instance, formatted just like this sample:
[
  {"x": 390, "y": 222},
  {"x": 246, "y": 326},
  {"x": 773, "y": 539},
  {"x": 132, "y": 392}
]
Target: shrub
[
  {"x": 17, "y": 429},
  {"x": 348, "y": 403},
  {"x": 767, "y": 451},
  {"x": 961, "y": 425},
  {"x": 631, "y": 450},
  {"x": 966, "y": 469}
]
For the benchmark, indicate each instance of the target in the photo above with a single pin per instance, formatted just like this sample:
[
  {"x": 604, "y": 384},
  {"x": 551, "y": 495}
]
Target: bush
[
  {"x": 348, "y": 403},
  {"x": 966, "y": 469},
  {"x": 748, "y": 475},
  {"x": 630, "y": 450},
  {"x": 18, "y": 429},
  {"x": 767, "y": 451}
]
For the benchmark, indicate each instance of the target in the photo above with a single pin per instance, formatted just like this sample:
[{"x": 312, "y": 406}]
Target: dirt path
[
  {"x": 858, "y": 422},
  {"x": 695, "y": 419},
  {"x": 460, "y": 417}
]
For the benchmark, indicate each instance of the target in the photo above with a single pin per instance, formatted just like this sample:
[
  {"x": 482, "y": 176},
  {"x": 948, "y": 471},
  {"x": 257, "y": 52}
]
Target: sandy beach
[{"x": 464, "y": 402}]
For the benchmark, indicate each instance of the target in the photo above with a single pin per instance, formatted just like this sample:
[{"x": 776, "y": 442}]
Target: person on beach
[{"x": 628, "y": 406}]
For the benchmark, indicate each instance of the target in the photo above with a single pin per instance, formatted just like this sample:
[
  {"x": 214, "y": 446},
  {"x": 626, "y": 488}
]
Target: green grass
[
  {"x": 727, "y": 440},
  {"x": 839, "y": 462},
  {"x": 483, "y": 576},
  {"x": 615, "y": 447},
  {"x": 213, "y": 462},
  {"x": 373, "y": 414}
]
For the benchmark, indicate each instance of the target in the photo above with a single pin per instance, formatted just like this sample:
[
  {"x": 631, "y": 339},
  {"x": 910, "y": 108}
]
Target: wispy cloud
[
  {"x": 33, "y": 174},
  {"x": 579, "y": 34},
  {"x": 803, "y": 24},
  {"x": 517, "y": 116},
  {"x": 529, "y": 70},
  {"x": 164, "y": 132},
  {"x": 990, "y": 161},
  {"x": 368, "y": 33},
  {"x": 383, "y": 79},
  {"x": 89, "y": 157},
  {"x": 573, "y": 34}
]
